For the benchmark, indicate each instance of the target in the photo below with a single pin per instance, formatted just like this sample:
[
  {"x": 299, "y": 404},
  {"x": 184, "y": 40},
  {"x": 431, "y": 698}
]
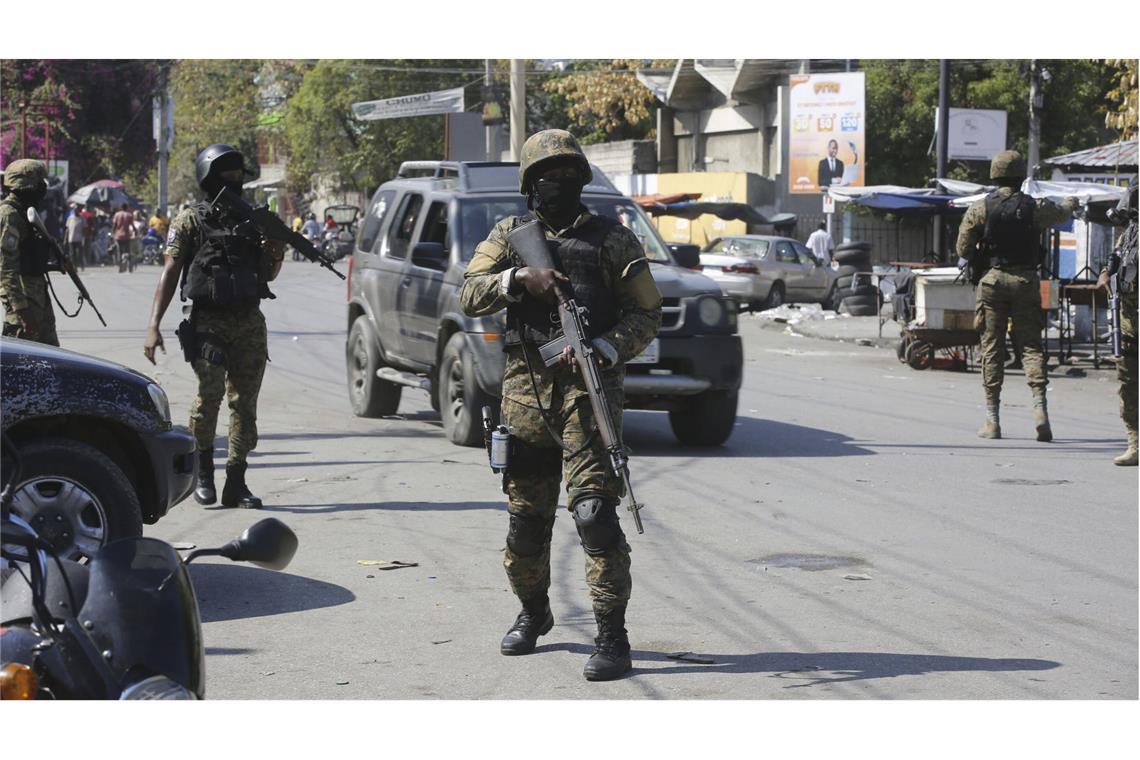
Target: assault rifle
[
  {"x": 1116, "y": 274},
  {"x": 66, "y": 265},
  {"x": 530, "y": 242},
  {"x": 272, "y": 227}
]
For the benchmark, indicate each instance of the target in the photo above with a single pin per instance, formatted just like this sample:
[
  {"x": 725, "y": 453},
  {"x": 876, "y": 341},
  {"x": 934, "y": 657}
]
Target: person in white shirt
[{"x": 821, "y": 245}]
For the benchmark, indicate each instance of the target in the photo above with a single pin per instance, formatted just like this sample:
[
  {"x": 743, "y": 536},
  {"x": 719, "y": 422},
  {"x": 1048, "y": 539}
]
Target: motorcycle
[
  {"x": 124, "y": 626},
  {"x": 152, "y": 247}
]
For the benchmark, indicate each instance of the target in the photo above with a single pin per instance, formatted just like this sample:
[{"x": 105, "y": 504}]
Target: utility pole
[
  {"x": 1035, "y": 102},
  {"x": 518, "y": 107},
  {"x": 942, "y": 128},
  {"x": 163, "y": 125},
  {"x": 489, "y": 141},
  {"x": 23, "y": 106}
]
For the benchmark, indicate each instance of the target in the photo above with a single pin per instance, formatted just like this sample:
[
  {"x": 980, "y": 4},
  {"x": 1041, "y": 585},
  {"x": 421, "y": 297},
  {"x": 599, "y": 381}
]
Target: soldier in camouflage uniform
[
  {"x": 1123, "y": 265},
  {"x": 1000, "y": 235},
  {"x": 23, "y": 277},
  {"x": 225, "y": 267},
  {"x": 547, "y": 409}
]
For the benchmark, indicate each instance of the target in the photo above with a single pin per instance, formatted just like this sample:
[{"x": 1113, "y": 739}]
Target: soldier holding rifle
[
  {"x": 547, "y": 407},
  {"x": 1119, "y": 277}
]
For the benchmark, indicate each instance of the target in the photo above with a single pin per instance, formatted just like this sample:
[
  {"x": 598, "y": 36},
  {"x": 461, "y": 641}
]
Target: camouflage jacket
[
  {"x": 973, "y": 226},
  {"x": 639, "y": 304},
  {"x": 19, "y": 291}
]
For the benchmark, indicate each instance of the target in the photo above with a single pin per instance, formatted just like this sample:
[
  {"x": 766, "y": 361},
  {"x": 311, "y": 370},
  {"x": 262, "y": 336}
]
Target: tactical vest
[
  {"x": 580, "y": 255},
  {"x": 224, "y": 270},
  {"x": 35, "y": 251},
  {"x": 1128, "y": 262},
  {"x": 1010, "y": 238}
]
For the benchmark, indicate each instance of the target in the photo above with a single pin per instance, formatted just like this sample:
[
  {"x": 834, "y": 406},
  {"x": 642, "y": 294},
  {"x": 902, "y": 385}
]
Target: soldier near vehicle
[
  {"x": 547, "y": 408},
  {"x": 225, "y": 266},
  {"x": 1000, "y": 238},
  {"x": 24, "y": 285},
  {"x": 1120, "y": 272}
]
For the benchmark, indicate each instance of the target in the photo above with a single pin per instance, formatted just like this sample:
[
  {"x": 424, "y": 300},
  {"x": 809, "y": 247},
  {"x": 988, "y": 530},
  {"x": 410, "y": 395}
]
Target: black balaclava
[
  {"x": 225, "y": 163},
  {"x": 557, "y": 200},
  {"x": 30, "y": 198}
]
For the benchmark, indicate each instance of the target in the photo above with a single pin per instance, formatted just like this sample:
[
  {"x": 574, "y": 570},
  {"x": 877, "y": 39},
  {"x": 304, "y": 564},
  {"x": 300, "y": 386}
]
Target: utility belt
[
  {"x": 199, "y": 345},
  {"x": 507, "y": 454},
  {"x": 1007, "y": 265}
]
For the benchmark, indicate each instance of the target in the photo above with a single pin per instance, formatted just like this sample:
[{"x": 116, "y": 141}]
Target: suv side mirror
[
  {"x": 430, "y": 256},
  {"x": 686, "y": 255},
  {"x": 268, "y": 543}
]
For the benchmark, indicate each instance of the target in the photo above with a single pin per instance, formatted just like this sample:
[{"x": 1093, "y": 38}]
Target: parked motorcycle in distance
[
  {"x": 124, "y": 626},
  {"x": 152, "y": 247}
]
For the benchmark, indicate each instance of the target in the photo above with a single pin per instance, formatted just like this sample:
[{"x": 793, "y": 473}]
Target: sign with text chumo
[
  {"x": 826, "y": 131},
  {"x": 423, "y": 104}
]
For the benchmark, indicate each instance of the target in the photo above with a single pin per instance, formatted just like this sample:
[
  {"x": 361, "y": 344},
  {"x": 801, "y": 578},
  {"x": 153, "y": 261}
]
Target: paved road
[{"x": 1004, "y": 569}]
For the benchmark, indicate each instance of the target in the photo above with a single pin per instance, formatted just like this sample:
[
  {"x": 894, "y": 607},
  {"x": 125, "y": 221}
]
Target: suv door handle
[{"x": 407, "y": 281}]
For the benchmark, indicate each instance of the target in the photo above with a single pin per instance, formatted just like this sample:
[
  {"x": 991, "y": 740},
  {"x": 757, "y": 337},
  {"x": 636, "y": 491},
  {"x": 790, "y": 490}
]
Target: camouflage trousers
[
  {"x": 585, "y": 468},
  {"x": 1005, "y": 297},
  {"x": 42, "y": 318},
  {"x": 1126, "y": 366},
  {"x": 240, "y": 334}
]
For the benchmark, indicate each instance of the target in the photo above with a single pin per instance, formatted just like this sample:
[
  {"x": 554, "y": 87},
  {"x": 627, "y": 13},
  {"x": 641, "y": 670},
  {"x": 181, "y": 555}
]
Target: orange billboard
[{"x": 826, "y": 131}]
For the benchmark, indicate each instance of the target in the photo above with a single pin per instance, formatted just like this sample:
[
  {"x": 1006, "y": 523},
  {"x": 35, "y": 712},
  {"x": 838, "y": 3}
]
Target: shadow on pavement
[
  {"x": 820, "y": 668},
  {"x": 648, "y": 433},
  {"x": 392, "y": 506},
  {"x": 237, "y": 592}
]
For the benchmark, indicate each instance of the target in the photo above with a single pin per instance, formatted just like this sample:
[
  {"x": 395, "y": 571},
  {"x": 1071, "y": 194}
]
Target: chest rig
[
  {"x": 224, "y": 270},
  {"x": 578, "y": 254},
  {"x": 35, "y": 251},
  {"x": 1010, "y": 238}
]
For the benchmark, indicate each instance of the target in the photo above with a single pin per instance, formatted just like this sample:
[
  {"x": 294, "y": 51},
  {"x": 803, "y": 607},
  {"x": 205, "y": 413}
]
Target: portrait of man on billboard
[{"x": 830, "y": 168}]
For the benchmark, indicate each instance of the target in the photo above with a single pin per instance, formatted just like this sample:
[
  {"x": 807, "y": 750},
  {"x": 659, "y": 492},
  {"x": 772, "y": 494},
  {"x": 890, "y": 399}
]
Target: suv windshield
[{"x": 478, "y": 215}]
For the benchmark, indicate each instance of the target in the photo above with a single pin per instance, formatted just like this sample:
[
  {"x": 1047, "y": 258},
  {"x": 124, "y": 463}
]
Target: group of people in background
[{"x": 88, "y": 232}]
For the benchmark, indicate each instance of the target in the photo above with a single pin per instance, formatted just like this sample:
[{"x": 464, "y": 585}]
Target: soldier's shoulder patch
[{"x": 10, "y": 243}]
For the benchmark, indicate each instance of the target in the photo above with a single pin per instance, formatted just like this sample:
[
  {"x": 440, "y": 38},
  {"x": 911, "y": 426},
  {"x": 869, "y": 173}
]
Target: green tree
[
  {"x": 324, "y": 137},
  {"x": 1122, "y": 97},
  {"x": 215, "y": 101}
]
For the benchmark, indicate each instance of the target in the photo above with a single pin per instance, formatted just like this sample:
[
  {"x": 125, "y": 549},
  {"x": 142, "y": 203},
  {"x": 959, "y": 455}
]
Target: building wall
[{"x": 623, "y": 157}]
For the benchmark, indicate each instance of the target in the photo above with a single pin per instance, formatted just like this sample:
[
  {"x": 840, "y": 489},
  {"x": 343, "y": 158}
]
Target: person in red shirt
[{"x": 122, "y": 227}]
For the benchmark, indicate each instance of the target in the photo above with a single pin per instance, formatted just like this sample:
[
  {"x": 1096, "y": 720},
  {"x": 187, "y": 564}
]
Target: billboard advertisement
[{"x": 827, "y": 129}]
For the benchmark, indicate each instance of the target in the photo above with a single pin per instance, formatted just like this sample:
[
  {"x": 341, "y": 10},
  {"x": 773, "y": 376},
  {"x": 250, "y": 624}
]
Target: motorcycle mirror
[{"x": 268, "y": 543}]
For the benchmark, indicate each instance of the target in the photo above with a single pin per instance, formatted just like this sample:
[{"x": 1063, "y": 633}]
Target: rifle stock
[
  {"x": 530, "y": 243},
  {"x": 273, "y": 228},
  {"x": 66, "y": 264}
]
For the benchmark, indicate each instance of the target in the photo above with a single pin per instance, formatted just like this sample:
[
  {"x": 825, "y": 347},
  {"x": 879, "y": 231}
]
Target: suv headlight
[
  {"x": 710, "y": 311},
  {"x": 158, "y": 397}
]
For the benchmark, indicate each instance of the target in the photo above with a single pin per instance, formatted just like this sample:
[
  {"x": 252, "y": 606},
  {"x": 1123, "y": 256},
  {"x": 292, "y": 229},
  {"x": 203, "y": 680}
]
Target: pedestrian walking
[
  {"x": 821, "y": 244},
  {"x": 227, "y": 268},
  {"x": 1000, "y": 238},
  {"x": 122, "y": 224},
  {"x": 75, "y": 236},
  {"x": 547, "y": 409}
]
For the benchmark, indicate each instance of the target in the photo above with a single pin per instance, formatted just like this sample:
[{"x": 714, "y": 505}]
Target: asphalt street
[{"x": 853, "y": 539}]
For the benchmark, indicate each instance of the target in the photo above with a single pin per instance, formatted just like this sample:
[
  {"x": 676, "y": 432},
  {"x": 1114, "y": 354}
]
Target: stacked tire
[{"x": 859, "y": 297}]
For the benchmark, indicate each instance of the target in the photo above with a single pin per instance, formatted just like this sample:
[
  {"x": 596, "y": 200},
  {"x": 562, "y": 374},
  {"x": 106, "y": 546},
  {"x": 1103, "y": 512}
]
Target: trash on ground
[
  {"x": 442, "y": 641},
  {"x": 386, "y": 564},
  {"x": 182, "y": 545},
  {"x": 864, "y": 342},
  {"x": 794, "y": 313},
  {"x": 690, "y": 657},
  {"x": 856, "y": 577},
  {"x": 342, "y": 683}
]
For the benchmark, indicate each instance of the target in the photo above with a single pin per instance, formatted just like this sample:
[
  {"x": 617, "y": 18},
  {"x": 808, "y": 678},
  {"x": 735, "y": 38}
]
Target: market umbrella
[{"x": 105, "y": 192}]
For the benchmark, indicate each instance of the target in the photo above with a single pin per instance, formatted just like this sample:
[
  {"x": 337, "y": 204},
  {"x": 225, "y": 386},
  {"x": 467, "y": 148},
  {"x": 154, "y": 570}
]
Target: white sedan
[{"x": 764, "y": 271}]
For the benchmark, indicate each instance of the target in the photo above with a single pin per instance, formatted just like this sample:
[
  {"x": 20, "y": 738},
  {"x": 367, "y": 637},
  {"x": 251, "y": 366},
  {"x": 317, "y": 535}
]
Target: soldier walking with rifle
[
  {"x": 225, "y": 263},
  {"x": 1119, "y": 277},
  {"x": 563, "y": 391},
  {"x": 28, "y": 251}
]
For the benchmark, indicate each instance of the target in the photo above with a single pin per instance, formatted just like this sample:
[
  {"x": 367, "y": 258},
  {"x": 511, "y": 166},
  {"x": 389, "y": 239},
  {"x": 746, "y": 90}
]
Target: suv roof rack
[
  {"x": 446, "y": 169},
  {"x": 486, "y": 175}
]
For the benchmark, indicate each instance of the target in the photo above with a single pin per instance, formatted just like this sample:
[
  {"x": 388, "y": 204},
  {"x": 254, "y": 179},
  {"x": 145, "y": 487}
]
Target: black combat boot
[
  {"x": 235, "y": 493},
  {"x": 204, "y": 492},
  {"x": 611, "y": 648},
  {"x": 534, "y": 620}
]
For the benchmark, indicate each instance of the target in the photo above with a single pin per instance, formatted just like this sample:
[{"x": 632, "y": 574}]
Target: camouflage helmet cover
[
  {"x": 548, "y": 145},
  {"x": 210, "y": 159},
  {"x": 1007, "y": 164},
  {"x": 25, "y": 174}
]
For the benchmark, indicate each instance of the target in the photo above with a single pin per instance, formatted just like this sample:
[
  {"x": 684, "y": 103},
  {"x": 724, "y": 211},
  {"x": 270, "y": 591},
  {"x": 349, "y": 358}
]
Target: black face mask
[
  {"x": 558, "y": 200},
  {"x": 31, "y": 198}
]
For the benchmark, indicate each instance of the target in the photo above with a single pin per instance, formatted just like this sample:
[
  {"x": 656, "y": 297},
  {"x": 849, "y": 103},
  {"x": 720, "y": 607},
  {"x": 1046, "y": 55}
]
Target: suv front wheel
[
  {"x": 369, "y": 395},
  {"x": 707, "y": 420},
  {"x": 461, "y": 400},
  {"x": 75, "y": 496}
]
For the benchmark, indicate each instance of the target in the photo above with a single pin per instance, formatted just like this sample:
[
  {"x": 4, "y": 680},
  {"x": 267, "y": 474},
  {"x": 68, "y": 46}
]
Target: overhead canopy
[
  {"x": 725, "y": 210},
  {"x": 901, "y": 201},
  {"x": 1121, "y": 155},
  {"x": 1087, "y": 192}
]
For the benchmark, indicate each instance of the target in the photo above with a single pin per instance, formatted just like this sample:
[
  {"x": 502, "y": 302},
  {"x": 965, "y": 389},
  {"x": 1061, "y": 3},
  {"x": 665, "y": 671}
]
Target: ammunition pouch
[
  {"x": 196, "y": 345},
  {"x": 533, "y": 461}
]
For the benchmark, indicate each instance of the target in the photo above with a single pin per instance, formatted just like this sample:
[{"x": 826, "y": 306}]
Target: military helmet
[
  {"x": 1007, "y": 165},
  {"x": 549, "y": 145},
  {"x": 214, "y": 159},
  {"x": 26, "y": 174}
]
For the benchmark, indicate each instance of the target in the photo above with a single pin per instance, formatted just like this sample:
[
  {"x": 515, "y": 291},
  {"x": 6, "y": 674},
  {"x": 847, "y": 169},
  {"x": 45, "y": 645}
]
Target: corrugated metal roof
[{"x": 1121, "y": 155}]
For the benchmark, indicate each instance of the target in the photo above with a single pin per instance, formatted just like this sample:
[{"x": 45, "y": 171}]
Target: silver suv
[{"x": 406, "y": 329}]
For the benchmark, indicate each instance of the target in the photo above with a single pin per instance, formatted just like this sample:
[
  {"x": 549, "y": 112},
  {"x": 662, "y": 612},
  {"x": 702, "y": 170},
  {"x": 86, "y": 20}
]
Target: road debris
[
  {"x": 386, "y": 564},
  {"x": 442, "y": 641},
  {"x": 690, "y": 657},
  {"x": 856, "y": 577}
]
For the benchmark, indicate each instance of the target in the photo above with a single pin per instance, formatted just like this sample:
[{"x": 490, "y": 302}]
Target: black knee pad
[
  {"x": 528, "y": 534},
  {"x": 596, "y": 519}
]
